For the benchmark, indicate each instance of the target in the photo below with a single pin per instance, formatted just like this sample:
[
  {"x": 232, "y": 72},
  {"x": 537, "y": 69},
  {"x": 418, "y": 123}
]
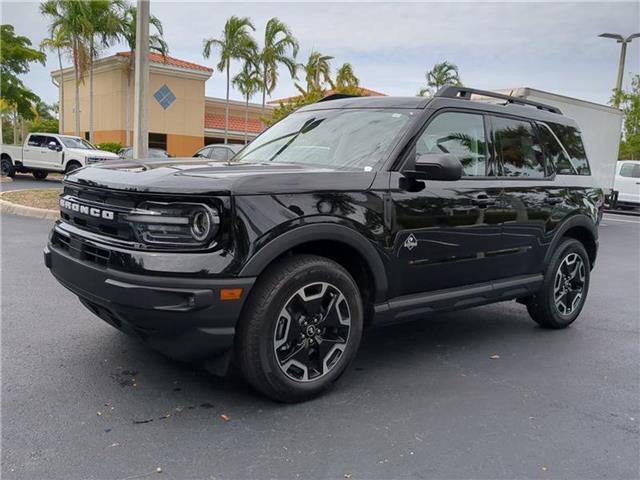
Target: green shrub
[{"x": 113, "y": 147}]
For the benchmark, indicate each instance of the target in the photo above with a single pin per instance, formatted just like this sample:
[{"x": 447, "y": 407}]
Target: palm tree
[
  {"x": 441, "y": 74},
  {"x": 59, "y": 42},
  {"x": 346, "y": 80},
  {"x": 280, "y": 48},
  {"x": 248, "y": 82},
  {"x": 317, "y": 71},
  {"x": 236, "y": 43},
  {"x": 156, "y": 44},
  {"x": 70, "y": 18},
  {"x": 105, "y": 27}
]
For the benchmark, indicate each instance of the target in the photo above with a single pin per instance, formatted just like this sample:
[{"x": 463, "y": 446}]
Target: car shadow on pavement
[{"x": 156, "y": 389}]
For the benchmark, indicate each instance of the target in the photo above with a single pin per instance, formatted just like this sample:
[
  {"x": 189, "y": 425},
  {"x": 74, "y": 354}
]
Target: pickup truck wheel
[
  {"x": 7, "y": 169},
  {"x": 565, "y": 287},
  {"x": 72, "y": 165},
  {"x": 300, "y": 328},
  {"x": 40, "y": 175}
]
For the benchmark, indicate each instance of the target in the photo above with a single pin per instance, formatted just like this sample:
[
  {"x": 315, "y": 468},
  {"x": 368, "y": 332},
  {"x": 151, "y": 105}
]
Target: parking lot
[{"x": 482, "y": 393}]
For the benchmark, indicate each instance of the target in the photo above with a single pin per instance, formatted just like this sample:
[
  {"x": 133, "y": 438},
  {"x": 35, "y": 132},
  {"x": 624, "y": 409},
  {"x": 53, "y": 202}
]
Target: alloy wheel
[
  {"x": 569, "y": 283},
  {"x": 312, "y": 332}
]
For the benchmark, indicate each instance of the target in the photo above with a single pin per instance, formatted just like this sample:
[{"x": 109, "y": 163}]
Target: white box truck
[{"x": 601, "y": 127}]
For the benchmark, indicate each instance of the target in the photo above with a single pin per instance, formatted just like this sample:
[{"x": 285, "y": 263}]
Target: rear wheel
[
  {"x": 40, "y": 175},
  {"x": 6, "y": 168},
  {"x": 564, "y": 290},
  {"x": 300, "y": 328}
]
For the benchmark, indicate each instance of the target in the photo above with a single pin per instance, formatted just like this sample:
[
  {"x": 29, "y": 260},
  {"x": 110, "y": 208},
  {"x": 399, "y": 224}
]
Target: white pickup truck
[{"x": 49, "y": 152}]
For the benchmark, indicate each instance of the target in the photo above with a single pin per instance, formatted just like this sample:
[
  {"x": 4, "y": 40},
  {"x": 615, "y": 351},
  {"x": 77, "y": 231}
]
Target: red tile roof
[
  {"x": 174, "y": 62},
  {"x": 236, "y": 124},
  {"x": 365, "y": 92}
]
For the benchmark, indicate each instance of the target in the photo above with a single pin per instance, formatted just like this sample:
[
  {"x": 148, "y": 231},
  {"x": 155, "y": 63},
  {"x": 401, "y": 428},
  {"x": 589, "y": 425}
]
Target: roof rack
[
  {"x": 452, "y": 91},
  {"x": 337, "y": 96}
]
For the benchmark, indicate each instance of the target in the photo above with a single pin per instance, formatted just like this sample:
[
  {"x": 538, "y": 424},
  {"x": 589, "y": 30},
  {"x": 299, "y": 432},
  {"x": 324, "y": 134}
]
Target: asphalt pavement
[{"x": 426, "y": 399}]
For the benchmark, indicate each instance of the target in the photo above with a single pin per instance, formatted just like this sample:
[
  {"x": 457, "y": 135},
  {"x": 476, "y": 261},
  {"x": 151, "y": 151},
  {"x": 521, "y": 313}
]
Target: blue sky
[{"x": 552, "y": 46}]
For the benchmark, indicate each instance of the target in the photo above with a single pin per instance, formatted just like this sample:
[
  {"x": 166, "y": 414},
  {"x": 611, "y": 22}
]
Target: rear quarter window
[{"x": 572, "y": 142}]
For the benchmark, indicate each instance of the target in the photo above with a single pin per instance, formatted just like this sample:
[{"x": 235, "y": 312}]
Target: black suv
[{"x": 349, "y": 213}]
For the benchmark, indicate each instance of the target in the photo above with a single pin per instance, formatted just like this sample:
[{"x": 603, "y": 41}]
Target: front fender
[{"x": 316, "y": 232}]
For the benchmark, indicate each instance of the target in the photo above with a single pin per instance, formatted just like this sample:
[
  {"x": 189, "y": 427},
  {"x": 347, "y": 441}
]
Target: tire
[
  {"x": 305, "y": 308},
  {"x": 551, "y": 307},
  {"x": 72, "y": 165},
  {"x": 40, "y": 175},
  {"x": 6, "y": 168}
]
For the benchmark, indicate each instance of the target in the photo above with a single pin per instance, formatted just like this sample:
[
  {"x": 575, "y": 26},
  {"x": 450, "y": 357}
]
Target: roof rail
[
  {"x": 452, "y": 91},
  {"x": 336, "y": 96}
]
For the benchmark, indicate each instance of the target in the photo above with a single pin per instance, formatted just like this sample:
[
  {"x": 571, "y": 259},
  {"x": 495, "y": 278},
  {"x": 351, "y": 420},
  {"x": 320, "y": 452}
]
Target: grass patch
[{"x": 39, "y": 198}]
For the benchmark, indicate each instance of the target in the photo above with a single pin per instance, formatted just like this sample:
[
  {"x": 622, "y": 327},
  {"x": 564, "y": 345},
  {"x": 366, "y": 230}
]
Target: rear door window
[
  {"x": 631, "y": 170},
  {"x": 518, "y": 148},
  {"x": 204, "y": 153},
  {"x": 219, "y": 153},
  {"x": 572, "y": 142},
  {"x": 36, "y": 141}
]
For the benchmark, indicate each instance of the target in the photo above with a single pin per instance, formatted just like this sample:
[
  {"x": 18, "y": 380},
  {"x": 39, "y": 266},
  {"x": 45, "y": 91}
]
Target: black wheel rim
[
  {"x": 4, "y": 168},
  {"x": 569, "y": 283},
  {"x": 312, "y": 332}
]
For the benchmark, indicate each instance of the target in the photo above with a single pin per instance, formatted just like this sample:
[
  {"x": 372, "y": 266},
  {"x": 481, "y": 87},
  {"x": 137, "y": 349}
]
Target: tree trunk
[
  {"x": 76, "y": 68},
  {"x": 91, "y": 91},
  {"x": 226, "y": 107},
  {"x": 264, "y": 93},
  {"x": 246, "y": 119},
  {"x": 61, "y": 106}
]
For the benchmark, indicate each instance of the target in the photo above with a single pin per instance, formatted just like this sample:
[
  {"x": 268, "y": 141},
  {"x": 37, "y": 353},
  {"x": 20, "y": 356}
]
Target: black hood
[{"x": 192, "y": 176}]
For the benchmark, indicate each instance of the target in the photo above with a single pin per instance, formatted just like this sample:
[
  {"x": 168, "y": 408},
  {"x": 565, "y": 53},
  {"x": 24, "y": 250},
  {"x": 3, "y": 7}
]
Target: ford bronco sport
[{"x": 349, "y": 213}]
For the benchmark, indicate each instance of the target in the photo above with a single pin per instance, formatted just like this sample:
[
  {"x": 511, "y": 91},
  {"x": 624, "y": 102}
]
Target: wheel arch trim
[
  {"x": 318, "y": 232},
  {"x": 580, "y": 221}
]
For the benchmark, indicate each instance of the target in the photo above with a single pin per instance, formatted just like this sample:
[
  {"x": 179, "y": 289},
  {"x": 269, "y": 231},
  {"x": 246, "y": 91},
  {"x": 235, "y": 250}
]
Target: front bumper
[{"x": 183, "y": 318}]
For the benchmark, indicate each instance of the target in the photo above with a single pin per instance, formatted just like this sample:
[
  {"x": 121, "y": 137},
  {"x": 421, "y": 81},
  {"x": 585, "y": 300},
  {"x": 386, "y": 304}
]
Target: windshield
[
  {"x": 350, "y": 139},
  {"x": 76, "y": 142}
]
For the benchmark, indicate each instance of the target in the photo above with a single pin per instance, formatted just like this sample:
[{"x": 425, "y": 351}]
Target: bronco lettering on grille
[{"x": 86, "y": 210}]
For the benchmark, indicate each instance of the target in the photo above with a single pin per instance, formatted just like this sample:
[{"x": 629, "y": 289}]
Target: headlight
[
  {"x": 92, "y": 160},
  {"x": 174, "y": 224}
]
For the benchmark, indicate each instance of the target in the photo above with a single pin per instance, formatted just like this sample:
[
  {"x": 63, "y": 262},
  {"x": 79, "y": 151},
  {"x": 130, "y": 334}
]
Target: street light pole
[
  {"x": 141, "y": 97},
  {"x": 623, "y": 54}
]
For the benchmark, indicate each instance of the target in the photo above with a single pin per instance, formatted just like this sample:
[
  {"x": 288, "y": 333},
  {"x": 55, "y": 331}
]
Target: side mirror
[
  {"x": 436, "y": 166},
  {"x": 53, "y": 146}
]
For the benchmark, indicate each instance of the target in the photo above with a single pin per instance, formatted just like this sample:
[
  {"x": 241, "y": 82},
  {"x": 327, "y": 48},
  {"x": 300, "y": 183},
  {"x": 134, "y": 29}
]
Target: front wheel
[
  {"x": 564, "y": 290},
  {"x": 40, "y": 175},
  {"x": 300, "y": 328},
  {"x": 72, "y": 165}
]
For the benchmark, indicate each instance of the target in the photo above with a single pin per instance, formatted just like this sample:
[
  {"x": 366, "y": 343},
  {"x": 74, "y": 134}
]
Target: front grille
[
  {"x": 97, "y": 212},
  {"x": 81, "y": 250}
]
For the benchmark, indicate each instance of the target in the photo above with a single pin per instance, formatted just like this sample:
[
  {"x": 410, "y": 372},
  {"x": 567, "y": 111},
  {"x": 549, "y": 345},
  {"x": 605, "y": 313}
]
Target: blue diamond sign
[{"x": 164, "y": 96}]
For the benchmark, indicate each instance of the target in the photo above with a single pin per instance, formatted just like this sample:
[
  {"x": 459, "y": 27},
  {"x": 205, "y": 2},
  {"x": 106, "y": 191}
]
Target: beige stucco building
[{"x": 181, "y": 118}]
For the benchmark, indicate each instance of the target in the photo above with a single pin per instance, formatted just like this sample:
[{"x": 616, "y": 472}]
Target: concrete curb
[{"x": 23, "y": 210}]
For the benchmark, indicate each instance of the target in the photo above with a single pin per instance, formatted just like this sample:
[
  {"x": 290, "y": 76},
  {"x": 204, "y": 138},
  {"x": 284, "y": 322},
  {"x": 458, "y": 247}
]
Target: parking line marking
[{"x": 609, "y": 219}]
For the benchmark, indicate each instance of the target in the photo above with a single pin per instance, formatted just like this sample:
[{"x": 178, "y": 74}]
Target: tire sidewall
[
  {"x": 317, "y": 273},
  {"x": 9, "y": 167},
  {"x": 567, "y": 247}
]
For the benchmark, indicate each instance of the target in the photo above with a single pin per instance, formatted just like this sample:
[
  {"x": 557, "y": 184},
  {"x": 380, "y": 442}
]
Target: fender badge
[{"x": 411, "y": 242}]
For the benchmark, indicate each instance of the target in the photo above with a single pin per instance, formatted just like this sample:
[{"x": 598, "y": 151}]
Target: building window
[{"x": 158, "y": 140}]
